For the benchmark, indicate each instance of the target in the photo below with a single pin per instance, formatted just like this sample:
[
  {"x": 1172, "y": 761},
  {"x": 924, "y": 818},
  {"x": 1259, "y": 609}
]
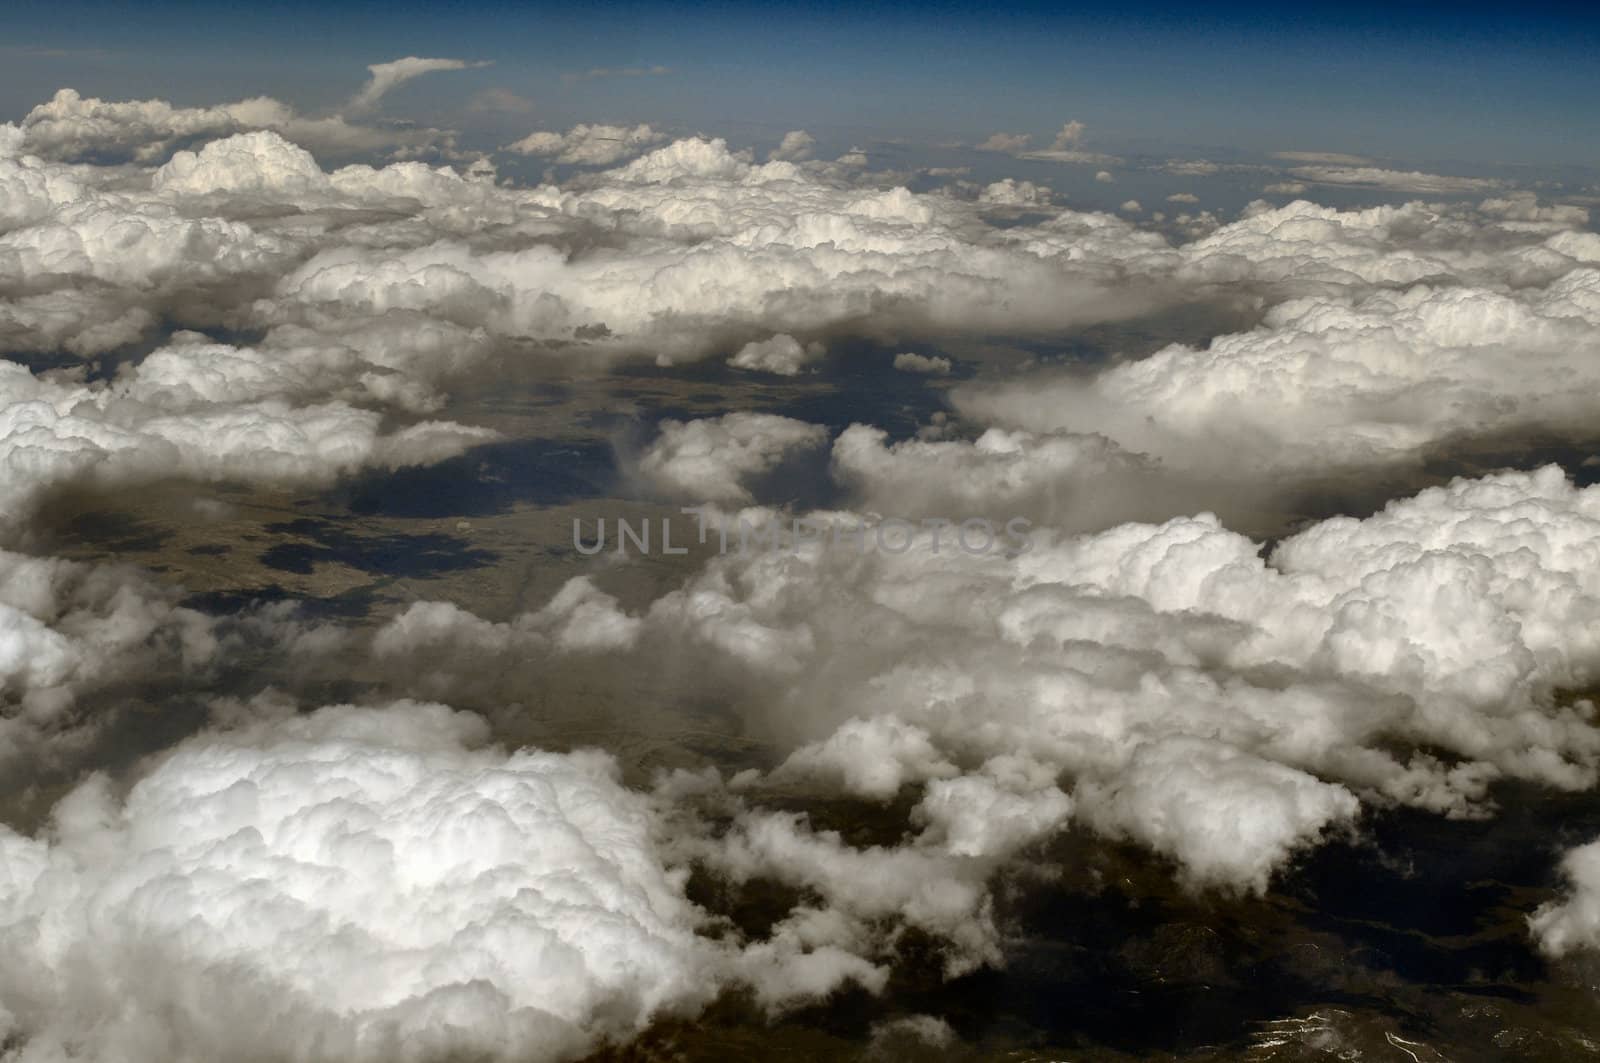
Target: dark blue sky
[{"x": 1515, "y": 84}]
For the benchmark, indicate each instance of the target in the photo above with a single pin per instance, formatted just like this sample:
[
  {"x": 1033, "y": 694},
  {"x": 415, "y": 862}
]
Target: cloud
[
  {"x": 208, "y": 411},
  {"x": 1069, "y": 137},
  {"x": 500, "y": 101},
  {"x": 1134, "y": 662},
  {"x": 385, "y": 77},
  {"x": 348, "y": 884},
  {"x": 796, "y": 146},
  {"x": 1332, "y": 383},
  {"x": 579, "y": 619},
  {"x": 1105, "y": 177},
  {"x": 1013, "y": 193},
  {"x": 1169, "y": 684},
  {"x": 1010, "y": 143},
  {"x": 247, "y": 163},
  {"x": 911, "y": 362},
  {"x": 1081, "y": 158},
  {"x": 707, "y": 247},
  {"x": 68, "y": 630},
  {"x": 1397, "y": 180},
  {"x": 617, "y": 72},
  {"x": 713, "y": 460},
  {"x": 1572, "y": 923},
  {"x": 781, "y": 355},
  {"x": 1191, "y": 167},
  {"x": 74, "y": 128},
  {"x": 1135, "y": 668},
  {"x": 999, "y": 475},
  {"x": 1065, "y": 147},
  {"x": 1331, "y": 379},
  {"x": 754, "y": 248},
  {"x": 1332, "y": 158},
  {"x": 1226, "y": 817},
  {"x": 1183, "y": 197},
  {"x": 588, "y": 145}
]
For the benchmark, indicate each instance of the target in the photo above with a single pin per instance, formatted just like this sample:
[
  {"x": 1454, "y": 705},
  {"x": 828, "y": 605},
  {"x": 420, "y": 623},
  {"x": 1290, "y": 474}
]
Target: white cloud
[
  {"x": 1135, "y": 662},
  {"x": 589, "y": 145},
  {"x": 353, "y": 884},
  {"x": 69, "y": 629},
  {"x": 1166, "y": 682},
  {"x": 1070, "y": 136},
  {"x": 208, "y": 411},
  {"x": 713, "y": 460},
  {"x": 499, "y": 100},
  {"x": 796, "y": 146},
  {"x": 706, "y": 245},
  {"x": 760, "y": 247},
  {"x": 1001, "y": 474},
  {"x": 1398, "y": 180},
  {"x": 385, "y": 77},
  {"x": 1192, "y": 167},
  {"x": 781, "y": 355},
  {"x": 911, "y": 362},
  {"x": 618, "y": 72},
  {"x": 1490, "y": 311},
  {"x": 1068, "y": 147},
  {"x": 1572, "y": 923},
  {"x": 1228, "y": 818},
  {"x": 1327, "y": 383},
  {"x": 1332, "y": 158},
  {"x": 1013, "y": 193},
  {"x": 77, "y": 128},
  {"x": 1010, "y": 143}
]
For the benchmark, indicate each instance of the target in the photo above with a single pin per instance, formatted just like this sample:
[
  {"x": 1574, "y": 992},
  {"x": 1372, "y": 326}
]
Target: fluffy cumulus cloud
[
  {"x": 1573, "y": 922},
  {"x": 781, "y": 355},
  {"x": 912, "y": 362},
  {"x": 796, "y": 146},
  {"x": 208, "y": 411},
  {"x": 77, "y": 128},
  {"x": 589, "y": 145},
  {"x": 714, "y": 460},
  {"x": 68, "y": 630},
  {"x": 377, "y": 883},
  {"x": 1398, "y": 180},
  {"x": 1163, "y": 683},
  {"x": 1221, "y": 708},
  {"x": 1467, "y": 324},
  {"x": 1067, "y": 146},
  {"x": 712, "y": 243},
  {"x": 677, "y": 253},
  {"x": 374, "y": 883},
  {"x": 1010, "y": 143},
  {"x": 999, "y": 475},
  {"x": 352, "y": 884},
  {"x": 581, "y": 618},
  {"x": 1013, "y": 193},
  {"x": 89, "y": 269}
]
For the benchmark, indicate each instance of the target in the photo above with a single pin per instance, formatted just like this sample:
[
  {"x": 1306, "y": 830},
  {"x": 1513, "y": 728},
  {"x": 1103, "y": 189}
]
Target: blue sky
[{"x": 1413, "y": 82}]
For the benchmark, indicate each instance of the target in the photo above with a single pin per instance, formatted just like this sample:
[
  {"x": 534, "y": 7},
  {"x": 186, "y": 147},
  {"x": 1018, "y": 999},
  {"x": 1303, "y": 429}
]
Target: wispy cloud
[{"x": 616, "y": 72}]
